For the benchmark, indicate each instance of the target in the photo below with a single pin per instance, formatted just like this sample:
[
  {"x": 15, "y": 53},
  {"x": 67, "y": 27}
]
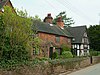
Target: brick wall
[
  {"x": 95, "y": 59},
  {"x": 52, "y": 38}
]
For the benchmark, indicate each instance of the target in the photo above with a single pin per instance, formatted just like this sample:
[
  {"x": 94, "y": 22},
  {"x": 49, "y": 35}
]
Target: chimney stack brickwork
[
  {"x": 48, "y": 19},
  {"x": 60, "y": 22}
]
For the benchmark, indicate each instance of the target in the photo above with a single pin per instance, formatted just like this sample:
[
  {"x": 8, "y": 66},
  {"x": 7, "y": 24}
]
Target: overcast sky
[{"x": 84, "y": 12}]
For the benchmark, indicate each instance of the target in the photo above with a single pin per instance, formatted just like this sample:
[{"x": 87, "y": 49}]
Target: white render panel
[
  {"x": 73, "y": 46},
  {"x": 82, "y": 52},
  {"x": 88, "y": 47},
  {"x": 82, "y": 40},
  {"x": 85, "y": 34},
  {"x": 78, "y": 53},
  {"x": 81, "y": 47},
  {"x": 77, "y": 46}
]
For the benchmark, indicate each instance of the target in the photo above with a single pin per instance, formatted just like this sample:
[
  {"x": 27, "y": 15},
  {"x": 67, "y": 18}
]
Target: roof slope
[
  {"x": 2, "y": 3},
  {"x": 51, "y": 29},
  {"x": 77, "y": 32}
]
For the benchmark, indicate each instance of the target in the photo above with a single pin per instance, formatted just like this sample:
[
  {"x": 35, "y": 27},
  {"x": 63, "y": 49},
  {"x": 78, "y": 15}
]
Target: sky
[{"x": 83, "y": 12}]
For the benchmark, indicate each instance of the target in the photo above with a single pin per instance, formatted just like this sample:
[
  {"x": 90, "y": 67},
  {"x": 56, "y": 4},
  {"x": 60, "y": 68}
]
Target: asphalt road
[{"x": 91, "y": 70}]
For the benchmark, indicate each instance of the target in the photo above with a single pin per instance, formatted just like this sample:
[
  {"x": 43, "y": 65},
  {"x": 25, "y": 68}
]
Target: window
[
  {"x": 57, "y": 38},
  {"x": 69, "y": 40}
]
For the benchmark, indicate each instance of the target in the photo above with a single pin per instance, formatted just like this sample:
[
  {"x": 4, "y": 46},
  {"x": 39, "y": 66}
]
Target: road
[{"x": 91, "y": 70}]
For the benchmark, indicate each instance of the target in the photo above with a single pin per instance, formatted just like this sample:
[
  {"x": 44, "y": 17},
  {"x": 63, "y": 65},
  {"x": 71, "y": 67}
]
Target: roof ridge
[
  {"x": 77, "y": 26},
  {"x": 61, "y": 30}
]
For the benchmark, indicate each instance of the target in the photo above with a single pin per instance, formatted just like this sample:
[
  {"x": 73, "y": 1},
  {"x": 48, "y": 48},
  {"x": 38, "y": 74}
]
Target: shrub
[
  {"x": 55, "y": 55},
  {"x": 65, "y": 48},
  {"x": 94, "y": 53},
  {"x": 15, "y": 35},
  {"x": 66, "y": 54}
]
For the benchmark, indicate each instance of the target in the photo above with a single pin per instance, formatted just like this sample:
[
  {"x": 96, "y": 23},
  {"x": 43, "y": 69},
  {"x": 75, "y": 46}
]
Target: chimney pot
[
  {"x": 49, "y": 15},
  {"x": 48, "y": 19}
]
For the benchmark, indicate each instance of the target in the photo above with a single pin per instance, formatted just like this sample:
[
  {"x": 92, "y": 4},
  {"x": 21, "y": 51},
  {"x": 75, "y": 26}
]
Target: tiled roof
[
  {"x": 77, "y": 32},
  {"x": 51, "y": 29}
]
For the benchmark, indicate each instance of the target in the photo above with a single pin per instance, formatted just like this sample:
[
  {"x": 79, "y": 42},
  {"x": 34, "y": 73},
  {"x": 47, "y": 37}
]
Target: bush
[
  {"x": 55, "y": 55},
  {"x": 66, "y": 54},
  {"x": 15, "y": 39},
  {"x": 94, "y": 53},
  {"x": 66, "y": 62},
  {"x": 65, "y": 48}
]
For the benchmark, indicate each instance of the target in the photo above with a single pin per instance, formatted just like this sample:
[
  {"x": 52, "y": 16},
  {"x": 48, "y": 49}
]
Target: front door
[{"x": 50, "y": 52}]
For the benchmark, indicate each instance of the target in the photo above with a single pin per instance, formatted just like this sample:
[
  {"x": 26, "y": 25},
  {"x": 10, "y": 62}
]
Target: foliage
[
  {"x": 66, "y": 54},
  {"x": 15, "y": 64},
  {"x": 65, "y": 48},
  {"x": 15, "y": 31},
  {"x": 67, "y": 21},
  {"x": 36, "y": 18},
  {"x": 55, "y": 55},
  {"x": 44, "y": 59},
  {"x": 37, "y": 45},
  {"x": 67, "y": 62},
  {"x": 94, "y": 53},
  {"x": 94, "y": 37}
]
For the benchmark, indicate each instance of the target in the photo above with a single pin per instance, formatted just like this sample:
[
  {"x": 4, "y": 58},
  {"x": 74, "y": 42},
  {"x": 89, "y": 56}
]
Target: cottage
[{"x": 53, "y": 36}]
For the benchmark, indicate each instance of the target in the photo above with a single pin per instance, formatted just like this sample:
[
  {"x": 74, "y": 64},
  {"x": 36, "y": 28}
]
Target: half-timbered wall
[{"x": 83, "y": 47}]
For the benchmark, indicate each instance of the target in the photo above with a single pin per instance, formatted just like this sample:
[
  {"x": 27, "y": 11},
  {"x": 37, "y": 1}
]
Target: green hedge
[{"x": 94, "y": 53}]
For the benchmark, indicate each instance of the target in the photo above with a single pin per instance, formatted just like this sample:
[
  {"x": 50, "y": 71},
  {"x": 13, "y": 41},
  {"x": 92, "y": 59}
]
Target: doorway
[{"x": 50, "y": 52}]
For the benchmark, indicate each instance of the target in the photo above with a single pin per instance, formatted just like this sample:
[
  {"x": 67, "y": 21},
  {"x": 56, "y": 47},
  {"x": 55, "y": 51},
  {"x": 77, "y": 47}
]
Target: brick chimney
[
  {"x": 60, "y": 22},
  {"x": 48, "y": 19}
]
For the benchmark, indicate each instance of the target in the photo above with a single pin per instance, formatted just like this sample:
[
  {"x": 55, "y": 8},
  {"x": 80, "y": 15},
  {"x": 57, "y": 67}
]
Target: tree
[
  {"x": 67, "y": 21},
  {"x": 15, "y": 31},
  {"x": 94, "y": 37},
  {"x": 36, "y": 18}
]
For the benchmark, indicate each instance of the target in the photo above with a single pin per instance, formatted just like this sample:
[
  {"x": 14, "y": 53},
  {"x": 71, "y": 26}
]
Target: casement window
[
  {"x": 69, "y": 40},
  {"x": 57, "y": 38}
]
